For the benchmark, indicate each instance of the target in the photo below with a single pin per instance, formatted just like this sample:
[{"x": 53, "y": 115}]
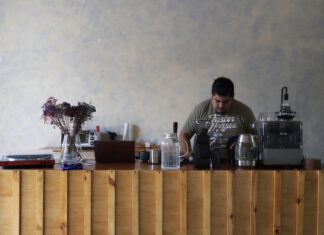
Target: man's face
[{"x": 222, "y": 103}]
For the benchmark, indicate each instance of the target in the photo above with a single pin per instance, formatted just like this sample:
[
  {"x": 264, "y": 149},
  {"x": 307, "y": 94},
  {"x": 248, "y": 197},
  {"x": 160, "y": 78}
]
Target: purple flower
[{"x": 65, "y": 116}]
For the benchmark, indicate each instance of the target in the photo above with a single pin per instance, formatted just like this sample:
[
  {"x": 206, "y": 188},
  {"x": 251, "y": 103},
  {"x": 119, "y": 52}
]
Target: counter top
[{"x": 140, "y": 165}]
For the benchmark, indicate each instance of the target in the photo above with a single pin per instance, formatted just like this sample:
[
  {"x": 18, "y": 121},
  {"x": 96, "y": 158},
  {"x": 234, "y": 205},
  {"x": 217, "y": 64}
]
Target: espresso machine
[{"x": 281, "y": 140}]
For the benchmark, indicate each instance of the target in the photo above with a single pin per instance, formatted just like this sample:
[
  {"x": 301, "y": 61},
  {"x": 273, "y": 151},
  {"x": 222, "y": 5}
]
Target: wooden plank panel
[
  {"x": 75, "y": 202},
  {"x": 55, "y": 195},
  {"x": 147, "y": 202},
  {"x": 218, "y": 202},
  {"x": 111, "y": 202},
  {"x": 135, "y": 203},
  {"x": 63, "y": 197},
  {"x": 242, "y": 202},
  {"x": 311, "y": 203},
  {"x": 277, "y": 203},
  {"x": 300, "y": 202},
  {"x": 10, "y": 201},
  {"x": 171, "y": 202},
  {"x": 158, "y": 203},
  {"x": 99, "y": 202},
  {"x": 264, "y": 203},
  {"x": 28, "y": 202},
  {"x": 16, "y": 202},
  {"x": 39, "y": 198},
  {"x": 288, "y": 202},
  {"x": 87, "y": 202},
  {"x": 206, "y": 202},
  {"x": 254, "y": 198},
  {"x": 230, "y": 203},
  {"x": 124, "y": 200},
  {"x": 32, "y": 202},
  {"x": 183, "y": 203},
  {"x": 79, "y": 202},
  {"x": 320, "y": 220},
  {"x": 6, "y": 201},
  {"x": 195, "y": 202},
  {"x": 295, "y": 200}
]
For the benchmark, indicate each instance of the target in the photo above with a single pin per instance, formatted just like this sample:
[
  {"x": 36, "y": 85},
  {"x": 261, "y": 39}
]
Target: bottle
[{"x": 98, "y": 133}]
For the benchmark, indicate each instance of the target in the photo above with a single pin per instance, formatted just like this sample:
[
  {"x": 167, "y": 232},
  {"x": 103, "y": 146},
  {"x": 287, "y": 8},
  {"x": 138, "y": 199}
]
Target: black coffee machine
[{"x": 204, "y": 158}]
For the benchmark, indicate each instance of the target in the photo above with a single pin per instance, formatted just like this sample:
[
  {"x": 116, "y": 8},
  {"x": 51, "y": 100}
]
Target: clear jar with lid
[{"x": 170, "y": 151}]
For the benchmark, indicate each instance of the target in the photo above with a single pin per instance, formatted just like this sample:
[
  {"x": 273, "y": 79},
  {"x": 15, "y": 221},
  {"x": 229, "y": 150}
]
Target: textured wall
[{"x": 149, "y": 62}]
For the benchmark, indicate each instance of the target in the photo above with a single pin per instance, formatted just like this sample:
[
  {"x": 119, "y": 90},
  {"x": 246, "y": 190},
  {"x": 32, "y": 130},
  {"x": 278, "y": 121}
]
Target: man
[{"x": 229, "y": 117}]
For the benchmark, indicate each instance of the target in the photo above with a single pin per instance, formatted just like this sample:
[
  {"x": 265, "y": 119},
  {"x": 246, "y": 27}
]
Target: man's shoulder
[{"x": 203, "y": 106}]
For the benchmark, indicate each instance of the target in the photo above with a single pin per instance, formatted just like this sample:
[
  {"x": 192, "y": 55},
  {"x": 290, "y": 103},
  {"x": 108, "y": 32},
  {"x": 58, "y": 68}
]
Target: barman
[{"x": 228, "y": 116}]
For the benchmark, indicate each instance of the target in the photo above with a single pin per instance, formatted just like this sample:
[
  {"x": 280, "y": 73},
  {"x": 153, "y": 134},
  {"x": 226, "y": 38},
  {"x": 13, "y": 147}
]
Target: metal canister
[{"x": 155, "y": 156}]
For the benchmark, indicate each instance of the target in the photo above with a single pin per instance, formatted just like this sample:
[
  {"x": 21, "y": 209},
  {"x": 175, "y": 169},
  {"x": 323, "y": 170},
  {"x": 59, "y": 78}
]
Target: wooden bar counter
[{"x": 142, "y": 199}]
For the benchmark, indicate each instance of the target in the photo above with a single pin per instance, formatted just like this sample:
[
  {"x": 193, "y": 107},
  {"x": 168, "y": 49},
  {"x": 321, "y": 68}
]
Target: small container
[
  {"x": 144, "y": 155},
  {"x": 246, "y": 150},
  {"x": 155, "y": 156},
  {"x": 312, "y": 164}
]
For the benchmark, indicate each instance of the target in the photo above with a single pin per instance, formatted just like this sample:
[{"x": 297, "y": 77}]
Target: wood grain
[
  {"x": 311, "y": 206},
  {"x": 16, "y": 202},
  {"x": 265, "y": 203},
  {"x": 242, "y": 202},
  {"x": 219, "y": 199},
  {"x": 320, "y": 203},
  {"x": 207, "y": 202},
  {"x": 225, "y": 202}
]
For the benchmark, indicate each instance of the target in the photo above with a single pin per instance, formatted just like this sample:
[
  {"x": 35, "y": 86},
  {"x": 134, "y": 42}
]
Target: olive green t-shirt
[{"x": 236, "y": 121}]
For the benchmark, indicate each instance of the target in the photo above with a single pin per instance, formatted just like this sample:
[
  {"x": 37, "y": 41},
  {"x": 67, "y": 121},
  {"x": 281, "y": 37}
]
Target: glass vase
[{"x": 71, "y": 149}]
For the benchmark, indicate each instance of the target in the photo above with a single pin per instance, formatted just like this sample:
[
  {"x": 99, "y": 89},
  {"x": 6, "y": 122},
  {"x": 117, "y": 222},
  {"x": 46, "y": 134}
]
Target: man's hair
[{"x": 223, "y": 87}]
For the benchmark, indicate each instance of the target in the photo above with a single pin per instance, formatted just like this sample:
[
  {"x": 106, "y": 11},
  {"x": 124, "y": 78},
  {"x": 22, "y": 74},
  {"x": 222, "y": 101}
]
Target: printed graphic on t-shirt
[{"x": 219, "y": 125}]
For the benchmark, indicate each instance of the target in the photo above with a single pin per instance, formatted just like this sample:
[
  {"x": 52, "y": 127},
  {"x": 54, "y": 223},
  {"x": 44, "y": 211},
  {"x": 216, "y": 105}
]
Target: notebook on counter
[{"x": 114, "y": 151}]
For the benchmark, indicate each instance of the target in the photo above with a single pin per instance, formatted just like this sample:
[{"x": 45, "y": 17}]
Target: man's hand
[{"x": 185, "y": 137}]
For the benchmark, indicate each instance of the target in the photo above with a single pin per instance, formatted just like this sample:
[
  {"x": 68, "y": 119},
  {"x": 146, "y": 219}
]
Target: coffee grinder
[{"x": 202, "y": 157}]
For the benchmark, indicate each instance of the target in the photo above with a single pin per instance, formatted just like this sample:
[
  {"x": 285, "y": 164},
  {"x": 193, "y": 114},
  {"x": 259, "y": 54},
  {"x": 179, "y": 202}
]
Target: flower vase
[{"x": 71, "y": 149}]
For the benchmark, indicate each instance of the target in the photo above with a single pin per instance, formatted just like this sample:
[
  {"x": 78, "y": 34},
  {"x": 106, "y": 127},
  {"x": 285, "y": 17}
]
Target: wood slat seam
[
  {"x": 111, "y": 202},
  {"x": 63, "y": 202},
  {"x": 16, "y": 174},
  {"x": 135, "y": 203},
  {"x": 277, "y": 202},
  {"x": 300, "y": 202},
  {"x": 230, "y": 212},
  {"x": 254, "y": 193},
  {"x": 87, "y": 202},
  {"x": 39, "y": 202},
  {"x": 158, "y": 203},
  {"x": 206, "y": 206},
  {"x": 183, "y": 203},
  {"x": 320, "y": 203}
]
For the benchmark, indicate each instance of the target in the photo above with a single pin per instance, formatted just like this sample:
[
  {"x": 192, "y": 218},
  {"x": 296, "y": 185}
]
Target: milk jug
[{"x": 170, "y": 151}]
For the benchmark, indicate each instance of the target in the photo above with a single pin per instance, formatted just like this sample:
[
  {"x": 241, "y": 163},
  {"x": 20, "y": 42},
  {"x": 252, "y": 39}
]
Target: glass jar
[{"x": 170, "y": 151}]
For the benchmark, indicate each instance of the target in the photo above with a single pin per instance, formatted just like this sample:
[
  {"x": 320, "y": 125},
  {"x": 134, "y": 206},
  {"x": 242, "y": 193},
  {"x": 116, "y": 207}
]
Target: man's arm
[{"x": 185, "y": 137}]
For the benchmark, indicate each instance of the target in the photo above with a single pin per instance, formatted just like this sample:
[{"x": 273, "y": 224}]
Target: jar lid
[{"x": 170, "y": 135}]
